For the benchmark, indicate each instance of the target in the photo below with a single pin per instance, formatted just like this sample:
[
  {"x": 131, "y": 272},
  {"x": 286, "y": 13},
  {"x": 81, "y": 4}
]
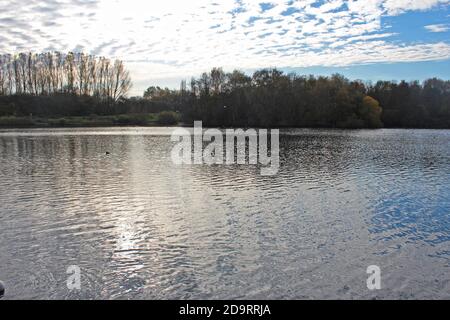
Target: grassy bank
[{"x": 165, "y": 118}]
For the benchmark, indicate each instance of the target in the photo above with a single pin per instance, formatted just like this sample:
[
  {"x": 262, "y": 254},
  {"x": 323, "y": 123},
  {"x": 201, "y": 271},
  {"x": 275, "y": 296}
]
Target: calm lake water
[{"x": 140, "y": 227}]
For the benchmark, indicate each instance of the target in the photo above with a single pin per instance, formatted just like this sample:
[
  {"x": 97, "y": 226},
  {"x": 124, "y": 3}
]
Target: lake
[{"x": 140, "y": 227}]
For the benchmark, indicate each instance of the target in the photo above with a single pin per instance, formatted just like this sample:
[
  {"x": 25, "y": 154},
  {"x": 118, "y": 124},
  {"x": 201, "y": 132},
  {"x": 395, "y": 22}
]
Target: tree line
[
  {"x": 77, "y": 84},
  {"x": 413, "y": 104},
  {"x": 54, "y": 73},
  {"x": 271, "y": 98}
]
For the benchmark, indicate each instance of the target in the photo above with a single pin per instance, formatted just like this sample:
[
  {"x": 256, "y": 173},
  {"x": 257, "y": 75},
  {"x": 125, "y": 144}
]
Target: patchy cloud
[
  {"x": 170, "y": 38},
  {"x": 395, "y": 7},
  {"x": 438, "y": 27}
]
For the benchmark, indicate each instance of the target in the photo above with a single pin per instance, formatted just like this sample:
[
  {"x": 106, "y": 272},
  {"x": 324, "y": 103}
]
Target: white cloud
[
  {"x": 177, "y": 38},
  {"x": 438, "y": 27},
  {"x": 398, "y": 6}
]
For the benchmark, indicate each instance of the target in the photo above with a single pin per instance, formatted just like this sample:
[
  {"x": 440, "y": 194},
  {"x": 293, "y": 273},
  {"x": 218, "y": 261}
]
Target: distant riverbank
[
  {"x": 138, "y": 120},
  {"x": 151, "y": 119}
]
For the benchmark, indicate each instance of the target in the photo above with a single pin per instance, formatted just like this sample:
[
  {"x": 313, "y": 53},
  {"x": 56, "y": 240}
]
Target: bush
[
  {"x": 57, "y": 122},
  {"x": 130, "y": 119},
  {"x": 168, "y": 118},
  {"x": 7, "y": 109},
  {"x": 15, "y": 122}
]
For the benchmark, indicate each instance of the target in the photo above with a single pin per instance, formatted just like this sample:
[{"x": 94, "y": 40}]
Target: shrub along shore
[{"x": 165, "y": 118}]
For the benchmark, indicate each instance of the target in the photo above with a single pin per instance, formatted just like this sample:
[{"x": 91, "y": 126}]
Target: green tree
[{"x": 371, "y": 112}]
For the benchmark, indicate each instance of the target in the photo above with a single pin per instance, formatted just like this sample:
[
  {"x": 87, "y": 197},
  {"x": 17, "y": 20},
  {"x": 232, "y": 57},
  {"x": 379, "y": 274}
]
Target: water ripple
[{"x": 140, "y": 227}]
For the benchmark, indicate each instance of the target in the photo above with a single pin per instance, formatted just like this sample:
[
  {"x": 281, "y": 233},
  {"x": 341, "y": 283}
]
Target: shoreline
[
  {"x": 182, "y": 125},
  {"x": 91, "y": 121},
  {"x": 146, "y": 120}
]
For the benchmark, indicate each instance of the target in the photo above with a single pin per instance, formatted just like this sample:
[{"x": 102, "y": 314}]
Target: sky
[{"x": 163, "y": 42}]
